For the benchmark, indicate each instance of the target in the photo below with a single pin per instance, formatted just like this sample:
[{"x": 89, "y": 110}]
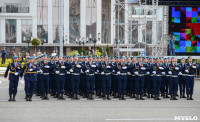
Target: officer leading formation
[{"x": 107, "y": 78}]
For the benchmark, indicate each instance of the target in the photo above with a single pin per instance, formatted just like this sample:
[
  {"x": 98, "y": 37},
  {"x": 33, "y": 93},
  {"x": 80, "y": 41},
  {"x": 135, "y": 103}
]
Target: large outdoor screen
[{"x": 184, "y": 22}]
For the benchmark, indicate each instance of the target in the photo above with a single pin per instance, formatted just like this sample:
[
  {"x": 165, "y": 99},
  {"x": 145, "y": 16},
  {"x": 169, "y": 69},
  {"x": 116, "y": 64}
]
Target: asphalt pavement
[{"x": 97, "y": 110}]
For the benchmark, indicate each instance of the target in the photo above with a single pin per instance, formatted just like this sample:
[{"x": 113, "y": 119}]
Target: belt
[
  {"x": 90, "y": 74},
  {"x": 158, "y": 75},
  {"x": 122, "y": 73},
  {"x": 107, "y": 73},
  {"x": 190, "y": 75},
  {"x": 30, "y": 72},
  {"x": 62, "y": 74},
  {"x": 75, "y": 73},
  {"x": 174, "y": 76},
  {"x": 45, "y": 73},
  {"x": 12, "y": 72},
  {"x": 168, "y": 75},
  {"x": 97, "y": 73}
]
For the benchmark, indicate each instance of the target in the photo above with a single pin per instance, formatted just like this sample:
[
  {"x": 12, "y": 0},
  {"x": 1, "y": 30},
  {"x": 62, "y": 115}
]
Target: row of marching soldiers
[{"x": 104, "y": 77}]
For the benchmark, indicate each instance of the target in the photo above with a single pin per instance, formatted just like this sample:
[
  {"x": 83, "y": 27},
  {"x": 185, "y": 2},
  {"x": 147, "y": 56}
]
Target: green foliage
[
  {"x": 98, "y": 53},
  {"x": 9, "y": 61},
  {"x": 108, "y": 50},
  {"x": 84, "y": 51},
  {"x": 36, "y": 42},
  {"x": 73, "y": 52},
  {"x": 100, "y": 50}
]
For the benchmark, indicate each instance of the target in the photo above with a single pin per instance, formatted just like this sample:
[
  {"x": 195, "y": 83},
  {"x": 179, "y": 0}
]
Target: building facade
[{"x": 21, "y": 20}]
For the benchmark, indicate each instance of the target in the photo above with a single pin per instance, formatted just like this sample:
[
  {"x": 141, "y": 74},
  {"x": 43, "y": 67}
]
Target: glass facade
[
  {"x": 42, "y": 20},
  {"x": 74, "y": 20},
  {"x": 56, "y": 21},
  {"x": 26, "y": 30},
  {"x": 121, "y": 16},
  {"x": 91, "y": 18},
  {"x": 11, "y": 28},
  {"x": 106, "y": 22}
]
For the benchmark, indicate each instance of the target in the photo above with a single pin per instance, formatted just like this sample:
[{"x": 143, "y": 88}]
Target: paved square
[{"x": 93, "y": 111}]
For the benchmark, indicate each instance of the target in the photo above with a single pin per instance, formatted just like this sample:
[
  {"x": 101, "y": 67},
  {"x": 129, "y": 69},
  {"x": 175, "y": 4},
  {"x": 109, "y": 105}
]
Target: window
[
  {"x": 74, "y": 20},
  {"x": 106, "y": 22},
  {"x": 26, "y": 30},
  {"x": 91, "y": 18},
  {"x": 11, "y": 31},
  {"x": 12, "y": 8},
  {"x": 42, "y": 19}
]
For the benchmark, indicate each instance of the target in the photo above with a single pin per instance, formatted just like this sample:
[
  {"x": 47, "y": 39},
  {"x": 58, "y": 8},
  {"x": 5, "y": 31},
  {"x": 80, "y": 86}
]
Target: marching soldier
[
  {"x": 182, "y": 78},
  {"x": 75, "y": 69},
  {"x": 30, "y": 77},
  {"x": 190, "y": 70},
  {"x": 106, "y": 68},
  {"x": 15, "y": 71},
  {"x": 173, "y": 84}
]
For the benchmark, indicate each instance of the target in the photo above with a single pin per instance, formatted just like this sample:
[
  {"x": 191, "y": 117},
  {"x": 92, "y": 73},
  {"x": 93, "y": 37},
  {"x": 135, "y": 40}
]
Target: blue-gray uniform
[
  {"x": 190, "y": 70},
  {"x": 75, "y": 69},
  {"x": 15, "y": 71},
  {"x": 90, "y": 78},
  {"x": 131, "y": 75},
  {"x": 52, "y": 78},
  {"x": 158, "y": 71},
  {"x": 106, "y": 69},
  {"x": 115, "y": 80},
  {"x": 147, "y": 78},
  {"x": 67, "y": 80},
  {"x": 182, "y": 79},
  {"x": 98, "y": 85},
  {"x": 83, "y": 80},
  {"x": 60, "y": 71},
  {"x": 165, "y": 81},
  {"x": 38, "y": 91},
  {"x": 150, "y": 82},
  {"x": 30, "y": 78},
  {"x": 121, "y": 70},
  {"x": 44, "y": 70},
  {"x": 139, "y": 80},
  {"x": 173, "y": 84}
]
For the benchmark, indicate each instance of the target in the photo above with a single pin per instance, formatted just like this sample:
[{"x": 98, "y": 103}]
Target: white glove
[
  {"x": 107, "y": 66},
  {"x": 16, "y": 73},
  {"x": 163, "y": 73},
  {"x": 143, "y": 68},
  {"x": 148, "y": 73},
  {"x": 68, "y": 72},
  {"x": 62, "y": 67},
  {"x": 186, "y": 71},
  {"x": 124, "y": 67},
  {"x": 118, "y": 72},
  {"x": 81, "y": 71},
  {"x": 97, "y": 70},
  {"x": 41, "y": 71},
  {"x": 87, "y": 71},
  {"x": 79, "y": 66},
  {"x": 170, "y": 72},
  {"x": 46, "y": 66},
  {"x": 194, "y": 67},
  {"x": 176, "y": 68},
  {"x": 154, "y": 72},
  {"x": 179, "y": 73},
  {"x": 71, "y": 70},
  {"x": 136, "y": 73},
  {"x": 128, "y": 73},
  {"x": 57, "y": 72},
  {"x": 113, "y": 71},
  {"x": 161, "y": 68},
  {"x": 30, "y": 70},
  {"x": 93, "y": 66},
  {"x": 102, "y": 73}
]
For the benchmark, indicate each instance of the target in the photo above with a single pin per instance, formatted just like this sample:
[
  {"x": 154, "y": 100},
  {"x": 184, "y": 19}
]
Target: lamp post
[
  {"x": 81, "y": 41},
  {"x": 28, "y": 42},
  {"x": 94, "y": 40}
]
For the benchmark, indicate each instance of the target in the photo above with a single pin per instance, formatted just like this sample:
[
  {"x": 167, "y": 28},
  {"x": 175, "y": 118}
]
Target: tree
[
  {"x": 83, "y": 50},
  {"x": 36, "y": 42},
  {"x": 73, "y": 52},
  {"x": 100, "y": 50},
  {"x": 98, "y": 53},
  {"x": 108, "y": 50}
]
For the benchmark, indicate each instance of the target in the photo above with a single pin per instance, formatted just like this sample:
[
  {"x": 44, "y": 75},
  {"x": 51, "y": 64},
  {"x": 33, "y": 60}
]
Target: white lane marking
[{"x": 140, "y": 119}]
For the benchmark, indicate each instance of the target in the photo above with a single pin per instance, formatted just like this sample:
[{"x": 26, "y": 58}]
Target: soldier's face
[
  {"x": 106, "y": 58},
  {"x": 190, "y": 60},
  {"x": 145, "y": 60},
  {"x": 182, "y": 61},
  {"x": 90, "y": 58},
  {"x": 166, "y": 60},
  {"x": 15, "y": 59}
]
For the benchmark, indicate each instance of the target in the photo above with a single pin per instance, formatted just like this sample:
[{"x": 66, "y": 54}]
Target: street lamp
[
  {"x": 94, "y": 40},
  {"x": 28, "y": 42}
]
